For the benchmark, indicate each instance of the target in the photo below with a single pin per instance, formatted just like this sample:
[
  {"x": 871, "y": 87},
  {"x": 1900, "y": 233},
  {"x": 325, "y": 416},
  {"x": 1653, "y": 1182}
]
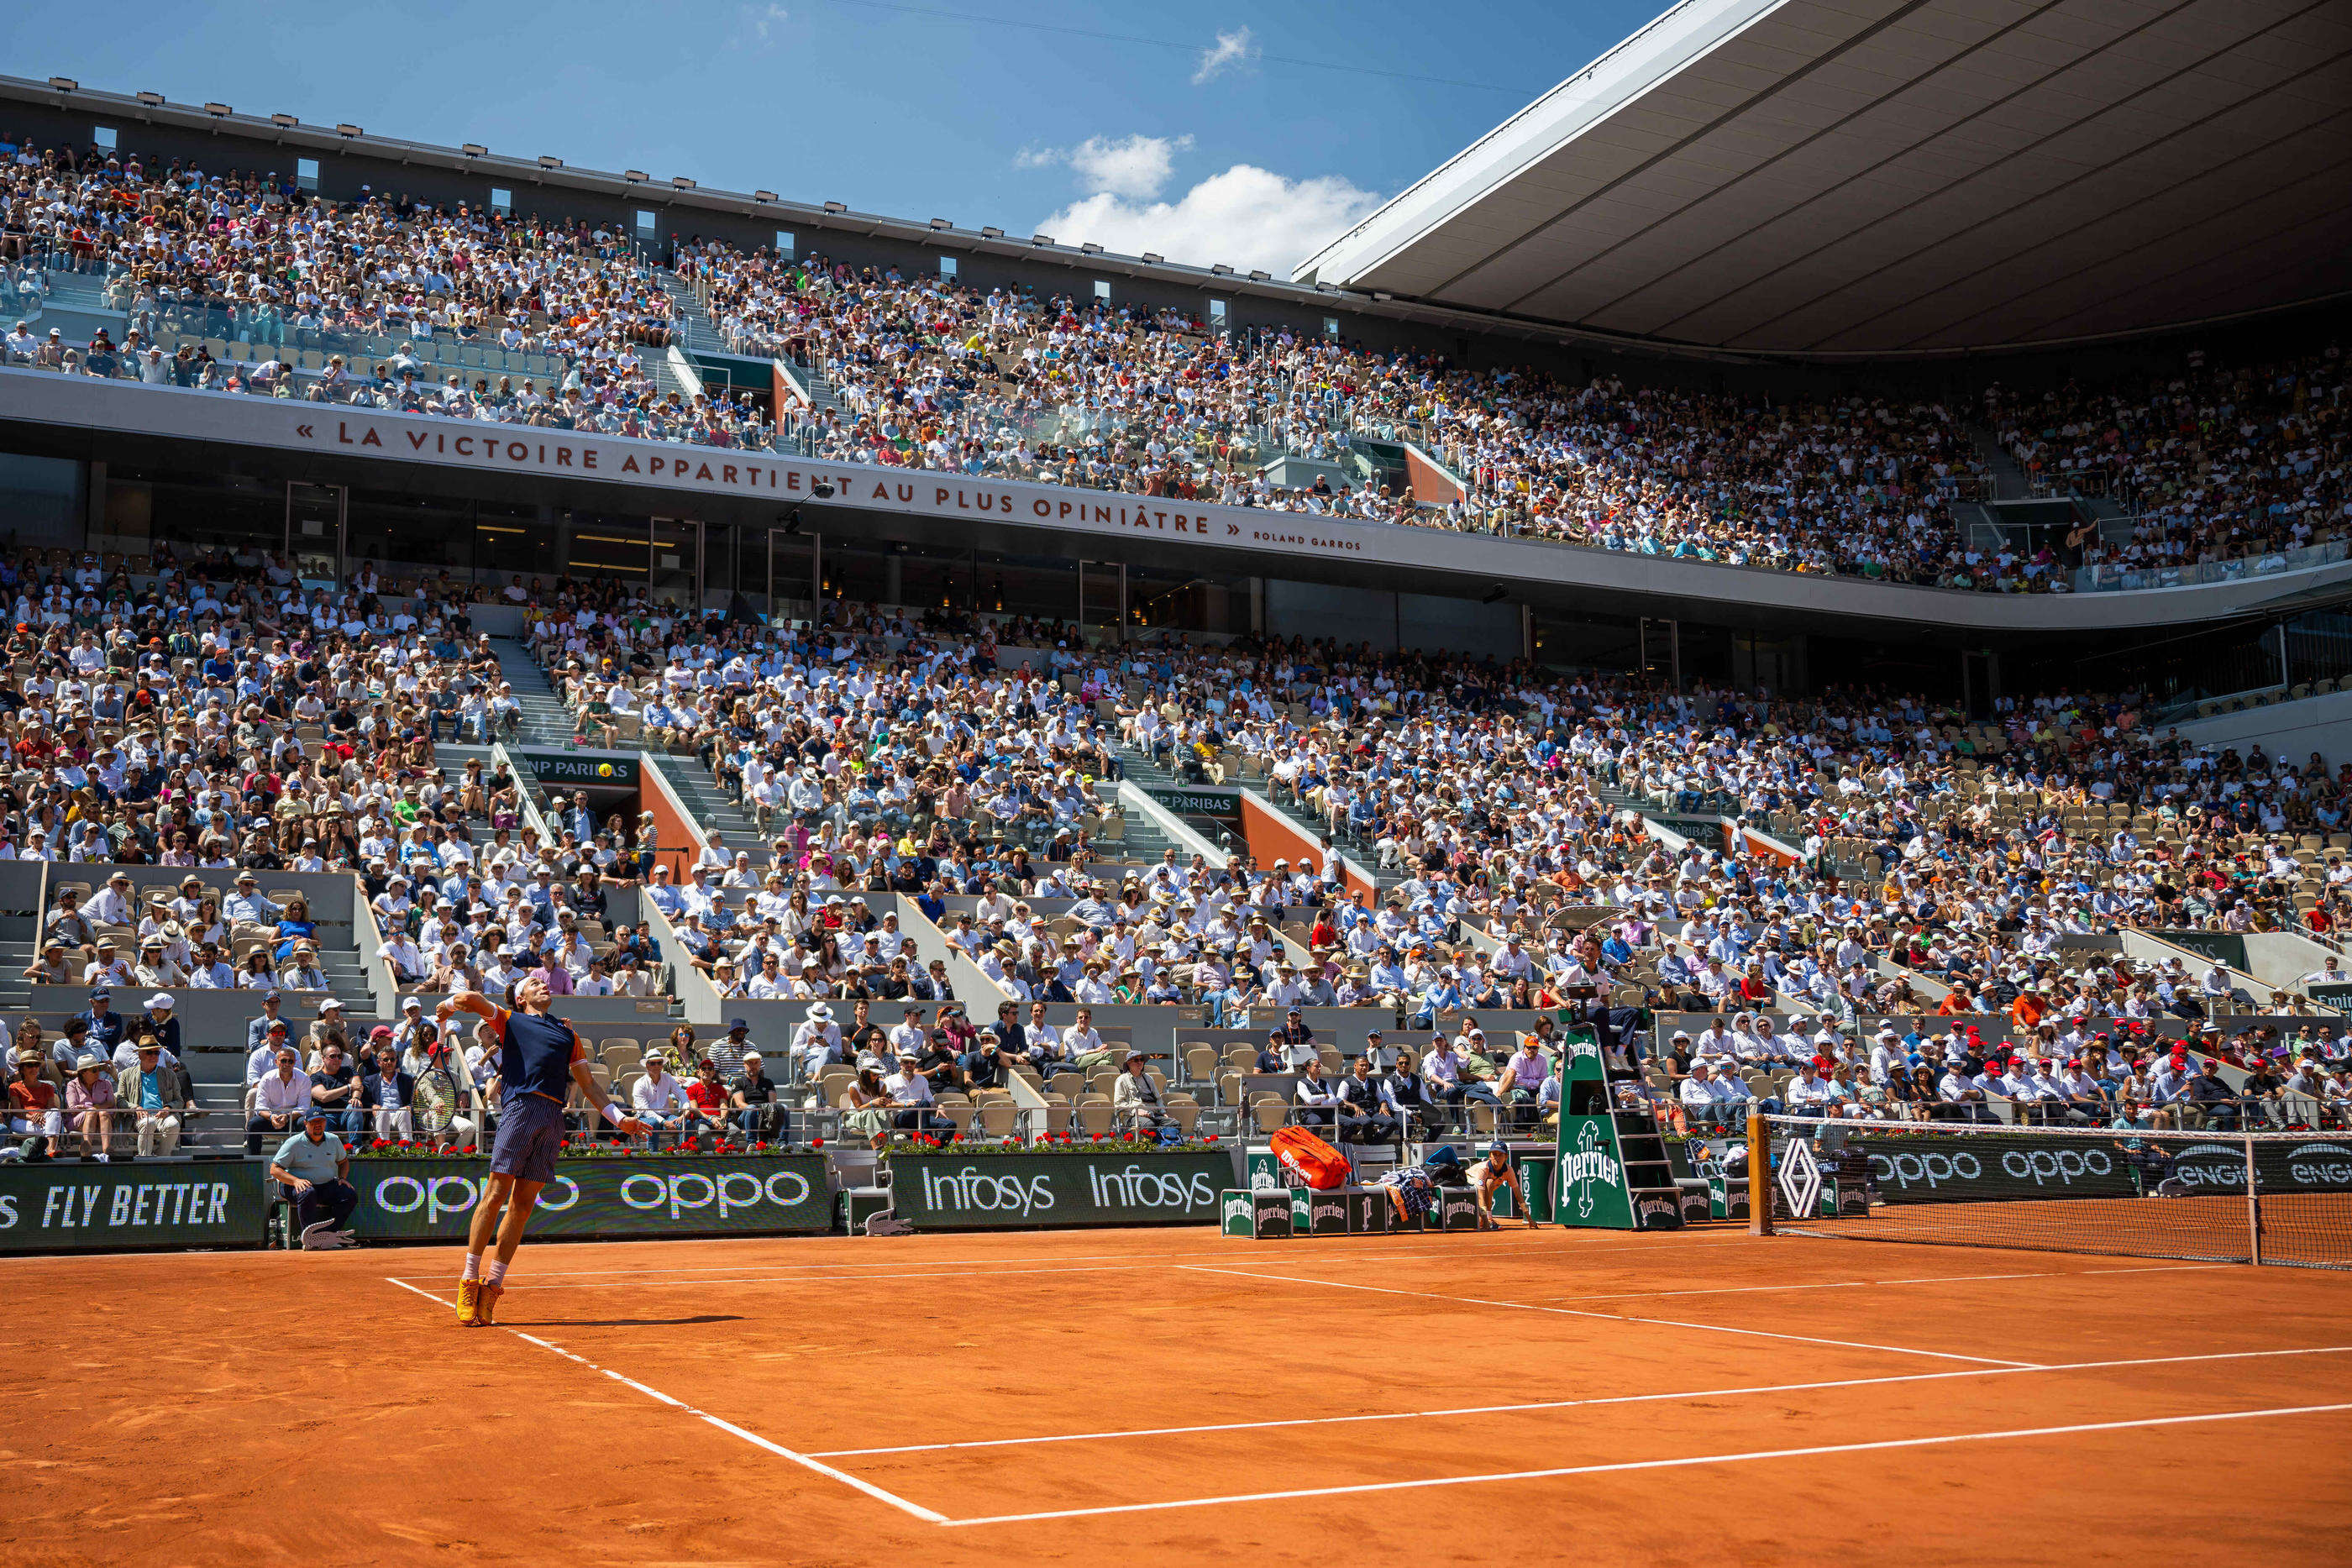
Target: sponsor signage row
[
  {"x": 425, "y": 1200},
  {"x": 1989, "y": 1167},
  {"x": 112, "y": 1209},
  {"x": 1003, "y": 1192}
]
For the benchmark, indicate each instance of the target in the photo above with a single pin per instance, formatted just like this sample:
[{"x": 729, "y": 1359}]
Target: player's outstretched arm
[{"x": 473, "y": 1002}]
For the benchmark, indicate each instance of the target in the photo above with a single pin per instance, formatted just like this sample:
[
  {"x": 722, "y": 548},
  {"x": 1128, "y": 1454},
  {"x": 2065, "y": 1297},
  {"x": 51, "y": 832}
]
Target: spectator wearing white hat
[
  {"x": 657, "y": 1097},
  {"x": 33, "y": 1109},
  {"x": 817, "y": 1043},
  {"x": 90, "y": 1104}
]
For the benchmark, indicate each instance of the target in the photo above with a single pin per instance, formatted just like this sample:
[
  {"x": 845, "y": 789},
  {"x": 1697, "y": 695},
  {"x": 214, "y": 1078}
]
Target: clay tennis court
[{"x": 1170, "y": 1396}]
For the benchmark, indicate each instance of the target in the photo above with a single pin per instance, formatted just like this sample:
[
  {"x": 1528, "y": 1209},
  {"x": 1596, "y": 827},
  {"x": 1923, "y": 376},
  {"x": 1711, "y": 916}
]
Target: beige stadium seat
[
  {"x": 1269, "y": 1113},
  {"x": 1094, "y": 1116}
]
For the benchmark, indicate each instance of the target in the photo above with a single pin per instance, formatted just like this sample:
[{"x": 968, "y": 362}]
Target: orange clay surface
[{"x": 1573, "y": 1396}]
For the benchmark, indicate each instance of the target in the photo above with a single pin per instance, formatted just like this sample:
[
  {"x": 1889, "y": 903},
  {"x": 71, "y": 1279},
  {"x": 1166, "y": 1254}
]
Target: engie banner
[
  {"x": 1043, "y": 1191},
  {"x": 114, "y": 1208},
  {"x": 433, "y": 1201}
]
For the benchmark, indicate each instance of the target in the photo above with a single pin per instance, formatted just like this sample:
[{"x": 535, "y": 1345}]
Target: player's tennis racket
[{"x": 435, "y": 1106}]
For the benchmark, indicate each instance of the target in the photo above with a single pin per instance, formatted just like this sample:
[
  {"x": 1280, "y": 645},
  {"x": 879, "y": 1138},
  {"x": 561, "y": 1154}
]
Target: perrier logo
[{"x": 1589, "y": 1165}]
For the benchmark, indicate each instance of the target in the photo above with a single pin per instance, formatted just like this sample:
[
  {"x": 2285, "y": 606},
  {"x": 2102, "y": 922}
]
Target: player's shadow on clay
[{"x": 620, "y": 1323}]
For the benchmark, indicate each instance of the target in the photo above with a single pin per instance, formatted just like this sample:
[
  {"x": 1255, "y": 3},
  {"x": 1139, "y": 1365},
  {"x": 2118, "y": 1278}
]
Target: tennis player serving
[{"x": 540, "y": 1060}]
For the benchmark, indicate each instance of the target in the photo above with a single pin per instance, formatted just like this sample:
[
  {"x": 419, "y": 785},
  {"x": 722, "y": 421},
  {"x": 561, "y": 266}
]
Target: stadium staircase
[
  {"x": 77, "y": 307},
  {"x": 697, "y": 332},
  {"x": 1142, "y": 767},
  {"x": 2008, "y": 480},
  {"x": 700, "y": 793},
  {"x": 545, "y": 721}
]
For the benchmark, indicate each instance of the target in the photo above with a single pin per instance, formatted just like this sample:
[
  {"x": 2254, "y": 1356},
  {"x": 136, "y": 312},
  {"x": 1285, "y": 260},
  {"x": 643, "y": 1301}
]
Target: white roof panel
[{"x": 1859, "y": 176}]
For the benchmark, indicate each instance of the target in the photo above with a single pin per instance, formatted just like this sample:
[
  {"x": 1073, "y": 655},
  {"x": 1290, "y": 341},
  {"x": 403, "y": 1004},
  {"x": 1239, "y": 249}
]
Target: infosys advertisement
[
  {"x": 433, "y": 1201},
  {"x": 1005, "y": 1192}
]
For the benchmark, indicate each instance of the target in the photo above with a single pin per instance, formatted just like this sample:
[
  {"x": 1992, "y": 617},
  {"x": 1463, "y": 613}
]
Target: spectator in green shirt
[{"x": 313, "y": 1170}]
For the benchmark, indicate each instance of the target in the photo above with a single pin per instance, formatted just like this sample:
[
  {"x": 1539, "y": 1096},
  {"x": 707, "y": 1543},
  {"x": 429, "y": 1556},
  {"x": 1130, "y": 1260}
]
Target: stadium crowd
[
  {"x": 2218, "y": 463},
  {"x": 899, "y": 758},
  {"x": 245, "y": 283},
  {"x": 259, "y": 287},
  {"x": 1935, "y": 875}
]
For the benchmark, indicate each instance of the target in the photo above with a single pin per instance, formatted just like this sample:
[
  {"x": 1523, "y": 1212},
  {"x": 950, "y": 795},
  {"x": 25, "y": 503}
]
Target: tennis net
[{"x": 2121, "y": 1191}]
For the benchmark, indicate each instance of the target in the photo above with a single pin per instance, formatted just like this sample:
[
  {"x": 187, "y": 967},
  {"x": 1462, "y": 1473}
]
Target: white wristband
[{"x": 612, "y": 1113}]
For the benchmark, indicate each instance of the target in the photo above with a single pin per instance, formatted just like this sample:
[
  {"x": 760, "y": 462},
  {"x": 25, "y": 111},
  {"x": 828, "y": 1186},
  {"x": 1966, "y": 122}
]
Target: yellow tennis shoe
[{"x": 470, "y": 1302}]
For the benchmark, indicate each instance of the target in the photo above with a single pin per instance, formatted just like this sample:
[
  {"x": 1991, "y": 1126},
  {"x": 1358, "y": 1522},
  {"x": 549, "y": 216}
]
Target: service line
[
  {"x": 1631, "y": 1464},
  {"x": 1608, "y": 1317},
  {"x": 1575, "y": 1404}
]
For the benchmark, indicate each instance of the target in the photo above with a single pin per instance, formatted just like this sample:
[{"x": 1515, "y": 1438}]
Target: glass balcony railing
[{"x": 2133, "y": 579}]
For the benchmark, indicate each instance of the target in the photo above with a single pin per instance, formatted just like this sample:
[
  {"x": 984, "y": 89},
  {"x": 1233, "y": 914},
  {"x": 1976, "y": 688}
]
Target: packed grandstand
[
  {"x": 236, "y": 283},
  {"x": 1913, "y": 914}
]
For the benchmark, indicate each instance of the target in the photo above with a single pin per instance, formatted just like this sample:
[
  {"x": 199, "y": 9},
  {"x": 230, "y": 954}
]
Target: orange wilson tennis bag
[{"x": 1310, "y": 1158}]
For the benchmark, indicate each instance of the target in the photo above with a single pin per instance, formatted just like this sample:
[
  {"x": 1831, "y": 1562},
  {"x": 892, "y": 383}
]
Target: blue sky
[{"x": 1217, "y": 136}]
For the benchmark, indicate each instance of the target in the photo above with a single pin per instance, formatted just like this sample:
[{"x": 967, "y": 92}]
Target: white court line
[
  {"x": 1575, "y": 1404},
  {"x": 817, "y": 1279},
  {"x": 1375, "y": 1252},
  {"x": 1611, "y": 1317},
  {"x": 639, "y": 1281},
  {"x": 1654, "y": 1464},
  {"x": 868, "y": 1487},
  {"x": 1921, "y": 1280}
]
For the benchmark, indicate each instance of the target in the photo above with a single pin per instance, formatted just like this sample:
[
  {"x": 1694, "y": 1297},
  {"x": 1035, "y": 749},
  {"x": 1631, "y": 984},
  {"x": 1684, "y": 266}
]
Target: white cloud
[
  {"x": 1248, "y": 216},
  {"x": 758, "y": 19},
  {"x": 1138, "y": 166},
  {"x": 1230, "y": 51}
]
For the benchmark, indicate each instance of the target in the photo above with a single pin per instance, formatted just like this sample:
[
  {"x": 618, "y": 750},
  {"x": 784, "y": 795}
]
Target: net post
[
  {"x": 2253, "y": 1208},
  {"x": 1759, "y": 1176}
]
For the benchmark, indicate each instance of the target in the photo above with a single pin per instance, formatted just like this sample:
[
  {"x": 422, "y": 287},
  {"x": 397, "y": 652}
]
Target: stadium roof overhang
[{"x": 1874, "y": 177}]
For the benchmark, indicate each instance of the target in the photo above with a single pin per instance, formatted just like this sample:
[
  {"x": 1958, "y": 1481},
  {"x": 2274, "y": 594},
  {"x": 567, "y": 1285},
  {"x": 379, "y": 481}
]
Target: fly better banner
[
  {"x": 685, "y": 1195},
  {"x": 114, "y": 1208},
  {"x": 1006, "y": 1192}
]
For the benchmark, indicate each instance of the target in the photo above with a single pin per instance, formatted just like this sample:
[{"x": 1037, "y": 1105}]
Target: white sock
[
  {"x": 473, "y": 1268},
  {"x": 497, "y": 1272}
]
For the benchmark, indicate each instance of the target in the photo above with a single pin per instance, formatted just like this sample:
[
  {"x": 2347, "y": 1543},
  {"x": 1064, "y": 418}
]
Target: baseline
[{"x": 914, "y": 1508}]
